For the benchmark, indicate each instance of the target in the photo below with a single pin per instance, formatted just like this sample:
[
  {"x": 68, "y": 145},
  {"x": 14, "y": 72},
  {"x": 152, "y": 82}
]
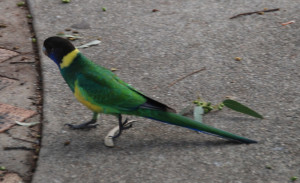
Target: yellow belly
[{"x": 85, "y": 102}]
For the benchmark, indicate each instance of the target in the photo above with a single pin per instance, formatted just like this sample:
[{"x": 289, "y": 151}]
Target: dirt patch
[{"x": 20, "y": 93}]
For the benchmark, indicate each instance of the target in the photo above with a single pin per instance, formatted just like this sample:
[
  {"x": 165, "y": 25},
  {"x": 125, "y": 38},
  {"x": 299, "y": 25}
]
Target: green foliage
[
  {"x": 65, "y": 1},
  {"x": 22, "y": 3},
  {"x": 203, "y": 107},
  {"x": 294, "y": 178},
  {"x": 33, "y": 40},
  {"x": 207, "y": 107},
  {"x": 234, "y": 105},
  {"x": 268, "y": 167}
]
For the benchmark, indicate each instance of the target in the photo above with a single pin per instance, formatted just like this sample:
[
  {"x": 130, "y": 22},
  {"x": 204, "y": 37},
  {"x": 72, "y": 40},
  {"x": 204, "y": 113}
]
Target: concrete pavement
[
  {"x": 20, "y": 98},
  {"x": 152, "y": 49}
]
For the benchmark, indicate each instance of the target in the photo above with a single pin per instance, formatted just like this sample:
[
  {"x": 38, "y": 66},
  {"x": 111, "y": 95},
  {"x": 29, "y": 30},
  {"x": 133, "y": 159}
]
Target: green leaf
[
  {"x": 294, "y": 178},
  {"x": 65, "y": 1},
  {"x": 198, "y": 112},
  {"x": 234, "y": 105}
]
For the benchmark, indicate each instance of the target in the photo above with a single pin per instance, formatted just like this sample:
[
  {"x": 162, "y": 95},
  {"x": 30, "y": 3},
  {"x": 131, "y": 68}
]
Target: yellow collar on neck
[{"x": 68, "y": 59}]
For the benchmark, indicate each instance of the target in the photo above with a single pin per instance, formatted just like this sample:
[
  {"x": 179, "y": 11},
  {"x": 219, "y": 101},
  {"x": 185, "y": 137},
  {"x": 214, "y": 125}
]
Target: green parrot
[{"x": 103, "y": 92}]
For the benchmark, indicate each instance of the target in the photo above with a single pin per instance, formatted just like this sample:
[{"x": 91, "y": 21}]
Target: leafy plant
[
  {"x": 201, "y": 107},
  {"x": 234, "y": 105}
]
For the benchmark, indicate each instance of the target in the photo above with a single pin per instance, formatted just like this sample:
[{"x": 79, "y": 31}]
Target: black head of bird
[{"x": 56, "y": 48}]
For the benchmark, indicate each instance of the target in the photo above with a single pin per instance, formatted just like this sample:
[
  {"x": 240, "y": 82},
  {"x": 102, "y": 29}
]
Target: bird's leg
[
  {"x": 86, "y": 125},
  {"x": 122, "y": 126}
]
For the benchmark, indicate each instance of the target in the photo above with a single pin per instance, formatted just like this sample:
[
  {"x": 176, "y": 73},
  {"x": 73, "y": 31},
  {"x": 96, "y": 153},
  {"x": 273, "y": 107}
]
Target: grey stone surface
[{"x": 153, "y": 49}]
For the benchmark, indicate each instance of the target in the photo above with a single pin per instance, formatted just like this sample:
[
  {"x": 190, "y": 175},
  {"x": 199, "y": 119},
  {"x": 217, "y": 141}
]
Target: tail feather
[{"x": 175, "y": 119}]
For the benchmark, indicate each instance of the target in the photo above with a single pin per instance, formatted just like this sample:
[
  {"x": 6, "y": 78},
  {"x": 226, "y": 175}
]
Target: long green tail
[{"x": 175, "y": 119}]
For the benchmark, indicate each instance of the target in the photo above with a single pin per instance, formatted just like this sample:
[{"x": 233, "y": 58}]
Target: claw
[
  {"x": 87, "y": 125},
  {"x": 81, "y": 126},
  {"x": 126, "y": 124},
  {"x": 122, "y": 126}
]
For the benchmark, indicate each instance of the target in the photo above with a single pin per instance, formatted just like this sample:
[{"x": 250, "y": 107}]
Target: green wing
[{"x": 105, "y": 90}]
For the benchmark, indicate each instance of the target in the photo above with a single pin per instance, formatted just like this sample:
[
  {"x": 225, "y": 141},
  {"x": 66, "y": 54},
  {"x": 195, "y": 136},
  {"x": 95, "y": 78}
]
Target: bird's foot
[
  {"x": 126, "y": 124},
  {"x": 86, "y": 125},
  {"x": 123, "y": 126}
]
